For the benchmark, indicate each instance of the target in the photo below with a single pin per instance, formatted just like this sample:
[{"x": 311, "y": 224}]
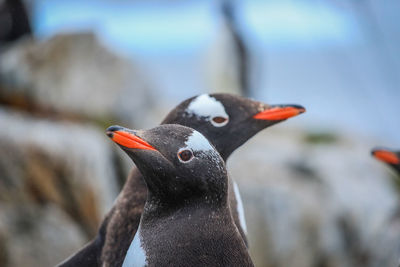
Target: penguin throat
[{"x": 162, "y": 207}]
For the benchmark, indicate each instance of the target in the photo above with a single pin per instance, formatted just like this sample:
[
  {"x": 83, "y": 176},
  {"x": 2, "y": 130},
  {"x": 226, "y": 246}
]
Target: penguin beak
[
  {"x": 127, "y": 138},
  {"x": 386, "y": 156},
  {"x": 279, "y": 112}
]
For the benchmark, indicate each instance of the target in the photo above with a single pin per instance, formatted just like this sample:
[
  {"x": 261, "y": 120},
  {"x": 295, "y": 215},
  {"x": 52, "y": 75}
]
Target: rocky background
[
  {"x": 312, "y": 198},
  {"x": 59, "y": 172}
]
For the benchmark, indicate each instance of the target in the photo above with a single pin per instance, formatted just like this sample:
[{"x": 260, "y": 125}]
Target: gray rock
[
  {"x": 74, "y": 74},
  {"x": 57, "y": 182},
  {"x": 37, "y": 236}
]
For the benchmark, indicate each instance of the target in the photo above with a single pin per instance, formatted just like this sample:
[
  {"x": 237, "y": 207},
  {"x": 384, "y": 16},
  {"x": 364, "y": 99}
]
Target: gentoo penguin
[
  {"x": 390, "y": 157},
  {"x": 186, "y": 220},
  {"x": 228, "y": 121}
]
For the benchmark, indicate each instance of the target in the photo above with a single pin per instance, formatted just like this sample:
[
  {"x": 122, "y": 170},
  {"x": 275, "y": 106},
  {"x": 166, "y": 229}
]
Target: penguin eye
[
  {"x": 185, "y": 155},
  {"x": 219, "y": 121}
]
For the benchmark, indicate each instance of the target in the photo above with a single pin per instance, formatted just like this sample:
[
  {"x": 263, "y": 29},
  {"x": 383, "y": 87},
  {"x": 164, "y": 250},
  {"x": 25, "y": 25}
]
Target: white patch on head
[
  {"x": 209, "y": 108},
  {"x": 239, "y": 207},
  {"x": 197, "y": 142},
  {"x": 136, "y": 255}
]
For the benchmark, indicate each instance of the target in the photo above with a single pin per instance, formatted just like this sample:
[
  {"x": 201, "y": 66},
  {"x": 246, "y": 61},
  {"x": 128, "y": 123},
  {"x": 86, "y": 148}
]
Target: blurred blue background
[{"x": 340, "y": 59}]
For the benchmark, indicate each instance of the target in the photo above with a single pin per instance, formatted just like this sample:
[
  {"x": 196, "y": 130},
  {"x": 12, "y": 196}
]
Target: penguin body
[
  {"x": 227, "y": 121},
  {"x": 186, "y": 219}
]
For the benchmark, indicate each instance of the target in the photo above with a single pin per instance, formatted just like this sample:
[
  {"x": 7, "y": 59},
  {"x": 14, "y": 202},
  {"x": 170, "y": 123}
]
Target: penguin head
[
  {"x": 227, "y": 120},
  {"x": 178, "y": 163},
  {"x": 388, "y": 156}
]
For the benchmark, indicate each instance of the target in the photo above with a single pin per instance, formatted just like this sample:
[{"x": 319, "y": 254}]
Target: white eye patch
[
  {"x": 196, "y": 142},
  {"x": 210, "y": 108}
]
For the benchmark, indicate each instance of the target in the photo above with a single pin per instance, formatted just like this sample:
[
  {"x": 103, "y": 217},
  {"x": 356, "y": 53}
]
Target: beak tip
[
  {"x": 300, "y": 109},
  {"x": 127, "y": 138},
  {"x": 110, "y": 134},
  {"x": 114, "y": 128},
  {"x": 280, "y": 112},
  {"x": 385, "y": 155}
]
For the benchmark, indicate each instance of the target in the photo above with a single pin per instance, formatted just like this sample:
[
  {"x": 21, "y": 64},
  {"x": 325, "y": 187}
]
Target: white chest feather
[
  {"x": 239, "y": 207},
  {"x": 136, "y": 255}
]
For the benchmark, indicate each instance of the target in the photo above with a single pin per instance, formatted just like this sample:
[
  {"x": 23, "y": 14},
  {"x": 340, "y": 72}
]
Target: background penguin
[
  {"x": 14, "y": 21},
  {"x": 390, "y": 157},
  {"x": 228, "y": 121},
  {"x": 186, "y": 219}
]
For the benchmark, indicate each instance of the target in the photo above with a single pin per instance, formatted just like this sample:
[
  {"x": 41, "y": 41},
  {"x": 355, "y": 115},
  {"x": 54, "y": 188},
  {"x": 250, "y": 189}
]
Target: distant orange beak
[
  {"x": 386, "y": 156},
  {"x": 278, "y": 113},
  {"x": 128, "y": 140}
]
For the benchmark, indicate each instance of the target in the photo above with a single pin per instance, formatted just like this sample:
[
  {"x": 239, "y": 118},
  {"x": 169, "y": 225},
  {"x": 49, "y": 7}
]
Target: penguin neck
[
  {"x": 213, "y": 195},
  {"x": 156, "y": 207}
]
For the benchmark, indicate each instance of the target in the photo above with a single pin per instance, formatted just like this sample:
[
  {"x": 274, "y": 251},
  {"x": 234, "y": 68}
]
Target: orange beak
[
  {"x": 277, "y": 113},
  {"x": 127, "y": 139},
  {"x": 386, "y": 156}
]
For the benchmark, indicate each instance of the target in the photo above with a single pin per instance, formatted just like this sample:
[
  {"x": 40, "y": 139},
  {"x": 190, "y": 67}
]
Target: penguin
[
  {"x": 227, "y": 121},
  {"x": 14, "y": 21},
  {"x": 390, "y": 157},
  {"x": 186, "y": 220}
]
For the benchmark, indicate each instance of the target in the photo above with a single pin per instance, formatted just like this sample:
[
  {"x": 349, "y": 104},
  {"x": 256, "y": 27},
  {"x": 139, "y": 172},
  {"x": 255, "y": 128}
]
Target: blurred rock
[
  {"x": 75, "y": 76},
  {"x": 57, "y": 181},
  {"x": 37, "y": 235},
  {"x": 59, "y": 173},
  {"x": 316, "y": 203}
]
